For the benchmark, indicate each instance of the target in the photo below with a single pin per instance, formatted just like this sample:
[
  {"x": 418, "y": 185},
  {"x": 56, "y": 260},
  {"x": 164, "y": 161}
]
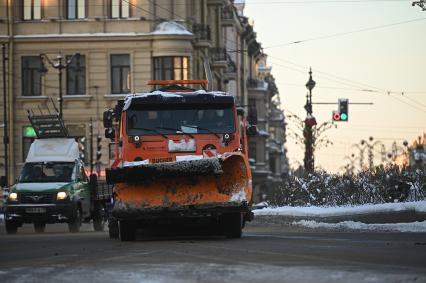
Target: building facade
[{"x": 106, "y": 49}]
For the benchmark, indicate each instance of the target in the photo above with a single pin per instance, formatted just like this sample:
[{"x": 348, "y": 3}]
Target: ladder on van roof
[{"x": 48, "y": 125}]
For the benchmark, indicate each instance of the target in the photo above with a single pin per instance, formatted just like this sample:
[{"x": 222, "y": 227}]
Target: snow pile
[
  {"x": 316, "y": 211},
  {"x": 400, "y": 227}
]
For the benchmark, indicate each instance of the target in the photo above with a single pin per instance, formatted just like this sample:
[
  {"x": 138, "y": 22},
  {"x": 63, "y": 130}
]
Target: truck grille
[{"x": 37, "y": 198}]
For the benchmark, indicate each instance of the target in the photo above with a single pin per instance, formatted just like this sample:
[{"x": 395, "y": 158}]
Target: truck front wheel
[
  {"x": 233, "y": 225},
  {"x": 127, "y": 230},
  {"x": 39, "y": 227},
  {"x": 75, "y": 223},
  {"x": 11, "y": 227}
]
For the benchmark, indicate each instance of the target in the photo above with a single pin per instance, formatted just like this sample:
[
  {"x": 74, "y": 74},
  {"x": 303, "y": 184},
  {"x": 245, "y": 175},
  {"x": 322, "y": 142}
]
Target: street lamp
[
  {"x": 309, "y": 123},
  {"x": 57, "y": 64}
]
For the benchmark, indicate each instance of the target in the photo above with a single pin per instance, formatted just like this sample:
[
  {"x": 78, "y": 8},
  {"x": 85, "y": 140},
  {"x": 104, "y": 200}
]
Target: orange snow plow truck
[{"x": 181, "y": 156}]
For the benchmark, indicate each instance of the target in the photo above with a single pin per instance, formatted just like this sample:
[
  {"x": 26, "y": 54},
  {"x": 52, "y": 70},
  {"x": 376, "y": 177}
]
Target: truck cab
[{"x": 52, "y": 188}]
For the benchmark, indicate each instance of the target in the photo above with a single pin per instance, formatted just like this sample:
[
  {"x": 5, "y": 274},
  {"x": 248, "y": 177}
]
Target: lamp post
[
  {"x": 309, "y": 123},
  {"x": 58, "y": 64},
  {"x": 5, "y": 122}
]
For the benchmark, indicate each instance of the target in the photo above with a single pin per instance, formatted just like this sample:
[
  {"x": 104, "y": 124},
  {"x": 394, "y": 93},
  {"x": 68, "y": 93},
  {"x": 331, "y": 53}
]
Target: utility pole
[
  {"x": 421, "y": 4},
  {"x": 59, "y": 66},
  {"x": 91, "y": 144},
  {"x": 310, "y": 122},
  {"x": 5, "y": 120}
]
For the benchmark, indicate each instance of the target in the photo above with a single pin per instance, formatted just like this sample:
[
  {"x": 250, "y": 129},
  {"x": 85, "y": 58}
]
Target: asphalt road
[{"x": 265, "y": 253}]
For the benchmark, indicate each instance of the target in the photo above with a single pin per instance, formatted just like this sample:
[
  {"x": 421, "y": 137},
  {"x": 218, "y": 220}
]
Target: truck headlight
[
  {"x": 13, "y": 197},
  {"x": 61, "y": 195}
]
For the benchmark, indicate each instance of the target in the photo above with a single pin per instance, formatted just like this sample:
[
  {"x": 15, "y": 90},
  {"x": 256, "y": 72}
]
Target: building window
[
  {"x": 252, "y": 150},
  {"x": 171, "y": 68},
  {"x": 272, "y": 164},
  {"x": 28, "y": 136},
  {"x": 76, "y": 9},
  {"x": 31, "y": 75},
  {"x": 252, "y": 111},
  {"x": 76, "y": 75},
  {"x": 120, "y": 73},
  {"x": 32, "y": 9},
  {"x": 120, "y": 9}
]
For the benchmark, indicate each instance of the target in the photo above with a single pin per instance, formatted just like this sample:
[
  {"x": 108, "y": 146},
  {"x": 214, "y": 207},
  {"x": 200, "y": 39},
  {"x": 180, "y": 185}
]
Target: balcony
[
  {"x": 202, "y": 35},
  {"x": 218, "y": 57},
  {"x": 231, "y": 70},
  {"x": 256, "y": 84},
  {"x": 228, "y": 18}
]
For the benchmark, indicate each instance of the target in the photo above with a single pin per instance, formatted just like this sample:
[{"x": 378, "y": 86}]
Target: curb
[{"x": 405, "y": 216}]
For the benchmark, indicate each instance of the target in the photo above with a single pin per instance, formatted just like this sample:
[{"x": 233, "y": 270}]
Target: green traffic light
[{"x": 343, "y": 116}]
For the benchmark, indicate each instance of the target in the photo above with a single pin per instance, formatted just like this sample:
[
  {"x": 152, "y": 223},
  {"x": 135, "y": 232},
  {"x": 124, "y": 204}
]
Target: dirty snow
[
  {"x": 315, "y": 211},
  {"x": 400, "y": 227},
  {"x": 239, "y": 196},
  {"x": 182, "y": 145}
]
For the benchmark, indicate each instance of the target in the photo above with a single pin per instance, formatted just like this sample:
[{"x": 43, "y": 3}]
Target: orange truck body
[{"x": 182, "y": 171}]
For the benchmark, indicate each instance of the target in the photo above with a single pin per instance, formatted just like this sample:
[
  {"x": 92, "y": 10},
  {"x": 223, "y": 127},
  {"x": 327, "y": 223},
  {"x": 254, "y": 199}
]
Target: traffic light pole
[
  {"x": 91, "y": 144},
  {"x": 5, "y": 121}
]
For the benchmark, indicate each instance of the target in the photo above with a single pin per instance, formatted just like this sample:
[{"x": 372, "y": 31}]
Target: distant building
[{"x": 121, "y": 47}]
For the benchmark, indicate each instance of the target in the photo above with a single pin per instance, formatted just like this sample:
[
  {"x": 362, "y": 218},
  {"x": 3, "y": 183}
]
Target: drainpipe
[{"x": 10, "y": 92}]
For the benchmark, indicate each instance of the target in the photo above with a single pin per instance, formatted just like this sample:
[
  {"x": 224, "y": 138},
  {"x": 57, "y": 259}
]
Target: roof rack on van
[{"x": 48, "y": 125}]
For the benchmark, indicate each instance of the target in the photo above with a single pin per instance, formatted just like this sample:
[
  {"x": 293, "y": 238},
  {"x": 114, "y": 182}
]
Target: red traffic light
[{"x": 336, "y": 116}]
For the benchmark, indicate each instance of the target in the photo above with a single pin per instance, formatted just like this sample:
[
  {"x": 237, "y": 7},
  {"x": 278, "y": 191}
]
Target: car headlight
[
  {"x": 61, "y": 195},
  {"x": 13, "y": 196}
]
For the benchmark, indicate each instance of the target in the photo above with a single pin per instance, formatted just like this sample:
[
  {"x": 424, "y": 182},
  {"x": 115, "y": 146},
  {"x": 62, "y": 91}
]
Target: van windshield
[
  {"x": 205, "y": 120},
  {"x": 47, "y": 172}
]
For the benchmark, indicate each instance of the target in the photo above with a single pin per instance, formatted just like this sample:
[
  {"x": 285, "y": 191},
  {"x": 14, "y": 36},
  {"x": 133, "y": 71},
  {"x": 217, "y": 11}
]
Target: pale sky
[{"x": 388, "y": 59}]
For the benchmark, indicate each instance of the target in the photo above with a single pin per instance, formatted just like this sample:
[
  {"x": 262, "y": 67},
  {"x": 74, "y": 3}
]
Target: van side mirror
[
  {"x": 93, "y": 181},
  {"x": 240, "y": 111},
  {"x": 110, "y": 133},
  {"x": 251, "y": 130},
  {"x": 107, "y": 118},
  {"x": 3, "y": 181}
]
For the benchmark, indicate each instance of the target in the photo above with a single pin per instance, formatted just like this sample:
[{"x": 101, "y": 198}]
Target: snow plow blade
[
  {"x": 153, "y": 172},
  {"x": 204, "y": 188}
]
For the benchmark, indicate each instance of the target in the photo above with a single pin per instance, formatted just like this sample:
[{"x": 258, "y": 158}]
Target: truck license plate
[{"x": 35, "y": 210}]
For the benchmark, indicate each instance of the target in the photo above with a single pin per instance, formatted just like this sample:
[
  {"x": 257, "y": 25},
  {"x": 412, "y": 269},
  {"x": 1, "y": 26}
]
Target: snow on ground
[
  {"x": 315, "y": 211},
  {"x": 351, "y": 225}
]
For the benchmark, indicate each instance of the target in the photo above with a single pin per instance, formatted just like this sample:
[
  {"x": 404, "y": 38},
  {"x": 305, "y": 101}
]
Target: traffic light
[
  {"x": 82, "y": 147},
  {"x": 98, "y": 148},
  {"x": 341, "y": 114}
]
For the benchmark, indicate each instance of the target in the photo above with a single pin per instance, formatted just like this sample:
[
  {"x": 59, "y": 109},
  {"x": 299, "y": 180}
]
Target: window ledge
[
  {"x": 116, "y": 96},
  {"x": 77, "y": 97},
  {"x": 32, "y": 98}
]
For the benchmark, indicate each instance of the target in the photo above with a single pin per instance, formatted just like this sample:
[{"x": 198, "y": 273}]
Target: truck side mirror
[
  {"x": 251, "y": 130},
  {"x": 3, "y": 181},
  {"x": 107, "y": 118},
  {"x": 240, "y": 111},
  {"x": 93, "y": 181},
  {"x": 110, "y": 133}
]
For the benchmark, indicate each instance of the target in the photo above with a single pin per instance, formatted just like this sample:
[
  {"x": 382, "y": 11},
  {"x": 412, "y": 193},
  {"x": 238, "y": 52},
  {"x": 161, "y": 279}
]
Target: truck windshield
[
  {"x": 47, "y": 172},
  {"x": 194, "y": 120}
]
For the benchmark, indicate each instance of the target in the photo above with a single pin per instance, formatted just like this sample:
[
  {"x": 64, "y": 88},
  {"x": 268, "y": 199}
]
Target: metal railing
[
  {"x": 201, "y": 32},
  {"x": 218, "y": 54}
]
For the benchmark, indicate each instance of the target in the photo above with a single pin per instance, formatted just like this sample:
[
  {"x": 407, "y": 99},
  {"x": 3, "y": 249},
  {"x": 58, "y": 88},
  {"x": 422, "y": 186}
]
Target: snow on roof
[
  {"x": 58, "y": 149},
  {"x": 171, "y": 27},
  {"x": 130, "y": 97}
]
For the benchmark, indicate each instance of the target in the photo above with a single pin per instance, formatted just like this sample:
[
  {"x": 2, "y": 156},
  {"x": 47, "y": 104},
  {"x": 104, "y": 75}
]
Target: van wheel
[
  {"x": 39, "y": 227},
  {"x": 127, "y": 230},
  {"x": 113, "y": 228},
  {"x": 233, "y": 225},
  {"x": 75, "y": 224},
  {"x": 11, "y": 227}
]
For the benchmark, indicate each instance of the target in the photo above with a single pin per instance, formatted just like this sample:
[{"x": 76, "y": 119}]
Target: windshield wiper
[
  {"x": 151, "y": 130},
  {"x": 176, "y": 130},
  {"x": 203, "y": 129}
]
